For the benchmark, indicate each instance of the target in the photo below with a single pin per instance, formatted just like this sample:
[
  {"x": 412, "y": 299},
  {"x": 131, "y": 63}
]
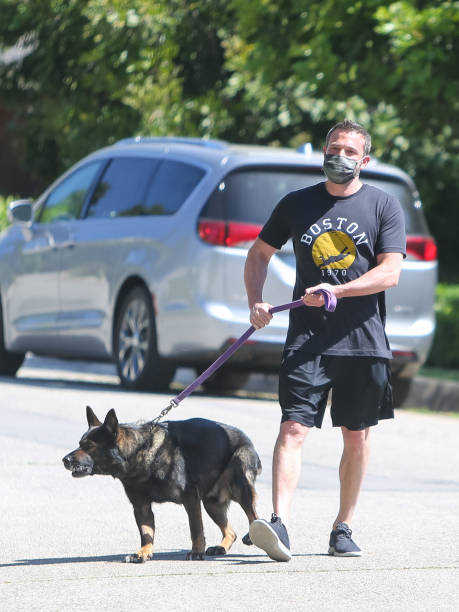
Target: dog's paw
[
  {"x": 136, "y": 558},
  {"x": 246, "y": 540},
  {"x": 215, "y": 551},
  {"x": 194, "y": 556}
]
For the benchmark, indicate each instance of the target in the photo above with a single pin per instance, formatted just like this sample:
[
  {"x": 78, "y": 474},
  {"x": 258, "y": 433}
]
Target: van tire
[
  {"x": 9, "y": 362},
  {"x": 401, "y": 388},
  {"x": 135, "y": 351},
  {"x": 226, "y": 380}
]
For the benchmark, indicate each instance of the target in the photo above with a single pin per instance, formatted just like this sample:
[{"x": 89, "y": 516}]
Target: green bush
[
  {"x": 445, "y": 349},
  {"x": 4, "y": 201}
]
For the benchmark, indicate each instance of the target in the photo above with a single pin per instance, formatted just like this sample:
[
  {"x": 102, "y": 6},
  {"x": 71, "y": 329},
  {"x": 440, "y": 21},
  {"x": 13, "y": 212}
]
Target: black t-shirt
[{"x": 337, "y": 239}]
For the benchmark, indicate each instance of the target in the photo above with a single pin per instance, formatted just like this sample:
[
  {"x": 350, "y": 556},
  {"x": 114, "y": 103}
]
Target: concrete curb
[{"x": 434, "y": 394}]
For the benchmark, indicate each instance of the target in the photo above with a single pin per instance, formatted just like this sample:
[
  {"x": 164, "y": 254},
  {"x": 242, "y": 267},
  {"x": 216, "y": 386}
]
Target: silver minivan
[{"x": 136, "y": 256}]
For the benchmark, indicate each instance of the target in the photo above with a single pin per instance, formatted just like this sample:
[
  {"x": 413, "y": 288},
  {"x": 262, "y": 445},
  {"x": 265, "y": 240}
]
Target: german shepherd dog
[{"x": 184, "y": 462}]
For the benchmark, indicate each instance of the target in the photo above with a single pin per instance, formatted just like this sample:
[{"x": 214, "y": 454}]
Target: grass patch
[
  {"x": 439, "y": 373},
  {"x": 424, "y": 410}
]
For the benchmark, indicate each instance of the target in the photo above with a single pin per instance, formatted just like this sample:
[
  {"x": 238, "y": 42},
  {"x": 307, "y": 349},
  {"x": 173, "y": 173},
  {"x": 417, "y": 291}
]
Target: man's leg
[
  {"x": 287, "y": 466},
  {"x": 354, "y": 462},
  {"x": 352, "y": 469},
  {"x": 272, "y": 537}
]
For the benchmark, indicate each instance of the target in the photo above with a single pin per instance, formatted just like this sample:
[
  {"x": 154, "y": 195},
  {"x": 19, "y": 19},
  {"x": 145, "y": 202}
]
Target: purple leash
[{"x": 330, "y": 305}]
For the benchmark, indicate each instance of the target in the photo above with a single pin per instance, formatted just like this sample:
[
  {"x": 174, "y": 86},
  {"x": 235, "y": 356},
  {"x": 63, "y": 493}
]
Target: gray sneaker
[
  {"x": 341, "y": 543},
  {"x": 271, "y": 537}
]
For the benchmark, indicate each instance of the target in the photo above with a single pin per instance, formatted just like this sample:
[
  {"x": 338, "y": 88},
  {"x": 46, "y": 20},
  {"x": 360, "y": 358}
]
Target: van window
[
  {"x": 250, "y": 194},
  {"x": 172, "y": 184},
  {"x": 414, "y": 219},
  {"x": 136, "y": 186},
  {"x": 122, "y": 187},
  {"x": 65, "y": 202}
]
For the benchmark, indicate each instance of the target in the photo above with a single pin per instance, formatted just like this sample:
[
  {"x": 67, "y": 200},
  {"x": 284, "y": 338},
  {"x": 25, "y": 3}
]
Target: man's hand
[
  {"x": 260, "y": 315},
  {"x": 383, "y": 276},
  {"x": 312, "y": 298}
]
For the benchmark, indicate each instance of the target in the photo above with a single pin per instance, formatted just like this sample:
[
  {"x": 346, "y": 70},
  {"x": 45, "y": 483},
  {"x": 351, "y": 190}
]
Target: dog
[{"x": 184, "y": 462}]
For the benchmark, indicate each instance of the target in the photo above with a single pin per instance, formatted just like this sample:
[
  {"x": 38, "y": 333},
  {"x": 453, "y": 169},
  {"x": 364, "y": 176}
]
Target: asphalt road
[{"x": 63, "y": 541}]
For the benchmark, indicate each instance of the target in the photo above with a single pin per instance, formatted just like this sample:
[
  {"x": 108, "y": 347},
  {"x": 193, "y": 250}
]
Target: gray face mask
[{"x": 340, "y": 169}]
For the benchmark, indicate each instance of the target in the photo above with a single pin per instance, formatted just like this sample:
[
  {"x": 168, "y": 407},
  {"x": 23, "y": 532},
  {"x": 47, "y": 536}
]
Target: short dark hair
[{"x": 351, "y": 126}]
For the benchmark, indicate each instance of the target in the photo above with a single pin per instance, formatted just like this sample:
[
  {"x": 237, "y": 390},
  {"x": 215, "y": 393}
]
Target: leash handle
[
  {"x": 329, "y": 302},
  {"x": 330, "y": 305}
]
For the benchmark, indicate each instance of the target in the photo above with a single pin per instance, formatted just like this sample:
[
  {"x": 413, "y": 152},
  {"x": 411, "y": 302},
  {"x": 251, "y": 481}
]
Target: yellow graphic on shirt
[{"x": 334, "y": 250}]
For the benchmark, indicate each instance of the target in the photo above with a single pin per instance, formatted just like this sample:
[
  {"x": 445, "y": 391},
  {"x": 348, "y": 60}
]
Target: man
[{"x": 349, "y": 238}]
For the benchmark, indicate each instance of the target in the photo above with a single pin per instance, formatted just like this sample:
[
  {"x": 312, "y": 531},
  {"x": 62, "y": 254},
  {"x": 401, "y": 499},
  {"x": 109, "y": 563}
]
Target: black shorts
[{"x": 361, "y": 389}]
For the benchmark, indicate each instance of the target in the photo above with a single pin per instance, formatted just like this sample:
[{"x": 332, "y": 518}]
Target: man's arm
[
  {"x": 383, "y": 276},
  {"x": 255, "y": 271}
]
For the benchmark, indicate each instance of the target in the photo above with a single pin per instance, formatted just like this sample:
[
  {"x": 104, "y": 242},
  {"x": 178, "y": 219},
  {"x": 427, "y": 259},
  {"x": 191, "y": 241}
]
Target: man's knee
[
  {"x": 292, "y": 433},
  {"x": 356, "y": 441}
]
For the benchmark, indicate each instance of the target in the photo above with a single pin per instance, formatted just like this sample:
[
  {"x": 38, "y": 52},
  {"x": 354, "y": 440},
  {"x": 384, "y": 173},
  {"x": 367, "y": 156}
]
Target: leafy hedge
[
  {"x": 445, "y": 349},
  {"x": 3, "y": 206},
  {"x": 4, "y": 201}
]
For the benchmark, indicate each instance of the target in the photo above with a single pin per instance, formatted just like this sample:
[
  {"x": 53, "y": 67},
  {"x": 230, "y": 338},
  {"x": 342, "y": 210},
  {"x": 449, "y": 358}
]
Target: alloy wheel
[{"x": 134, "y": 338}]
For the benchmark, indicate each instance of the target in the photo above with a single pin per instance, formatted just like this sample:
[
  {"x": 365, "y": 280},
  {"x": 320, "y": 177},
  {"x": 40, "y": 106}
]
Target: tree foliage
[
  {"x": 92, "y": 70},
  {"x": 265, "y": 71},
  {"x": 391, "y": 66}
]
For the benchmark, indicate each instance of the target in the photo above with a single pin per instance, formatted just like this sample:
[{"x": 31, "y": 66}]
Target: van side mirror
[{"x": 21, "y": 212}]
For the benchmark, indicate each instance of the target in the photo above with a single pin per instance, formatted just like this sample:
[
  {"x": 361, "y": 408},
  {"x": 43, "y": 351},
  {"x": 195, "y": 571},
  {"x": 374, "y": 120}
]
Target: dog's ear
[
  {"x": 111, "y": 422},
  {"x": 93, "y": 421}
]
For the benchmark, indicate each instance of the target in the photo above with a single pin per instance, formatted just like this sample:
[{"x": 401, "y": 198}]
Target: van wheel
[
  {"x": 9, "y": 362},
  {"x": 401, "y": 388},
  {"x": 135, "y": 352},
  {"x": 226, "y": 380}
]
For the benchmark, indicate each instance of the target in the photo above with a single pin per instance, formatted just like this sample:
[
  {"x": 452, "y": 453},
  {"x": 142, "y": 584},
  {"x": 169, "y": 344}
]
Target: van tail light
[
  {"x": 227, "y": 233},
  {"x": 421, "y": 247},
  {"x": 213, "y": 232},
  {"x": 405, "y": 355}
]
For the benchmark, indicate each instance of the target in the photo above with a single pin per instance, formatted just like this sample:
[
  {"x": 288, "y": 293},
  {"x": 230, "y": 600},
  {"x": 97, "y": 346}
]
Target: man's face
[{"x": 347, "y": 144}]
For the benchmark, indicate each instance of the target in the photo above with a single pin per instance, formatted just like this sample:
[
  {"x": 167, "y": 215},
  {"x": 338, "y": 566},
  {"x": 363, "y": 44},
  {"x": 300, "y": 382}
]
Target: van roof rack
[
  {"x": 305, "y": 148},
  {"x": 200, "y": 142}
]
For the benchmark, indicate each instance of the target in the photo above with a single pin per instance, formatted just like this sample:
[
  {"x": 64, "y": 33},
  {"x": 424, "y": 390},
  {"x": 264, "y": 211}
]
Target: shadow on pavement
[
  {"x": 86, "y": 385},
  {"x": 59, "y": 383},
  {"x": 178, "y": 555}
]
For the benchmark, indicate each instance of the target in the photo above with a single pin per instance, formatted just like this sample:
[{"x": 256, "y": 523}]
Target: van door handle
[{"x": 68, "y": 244}]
